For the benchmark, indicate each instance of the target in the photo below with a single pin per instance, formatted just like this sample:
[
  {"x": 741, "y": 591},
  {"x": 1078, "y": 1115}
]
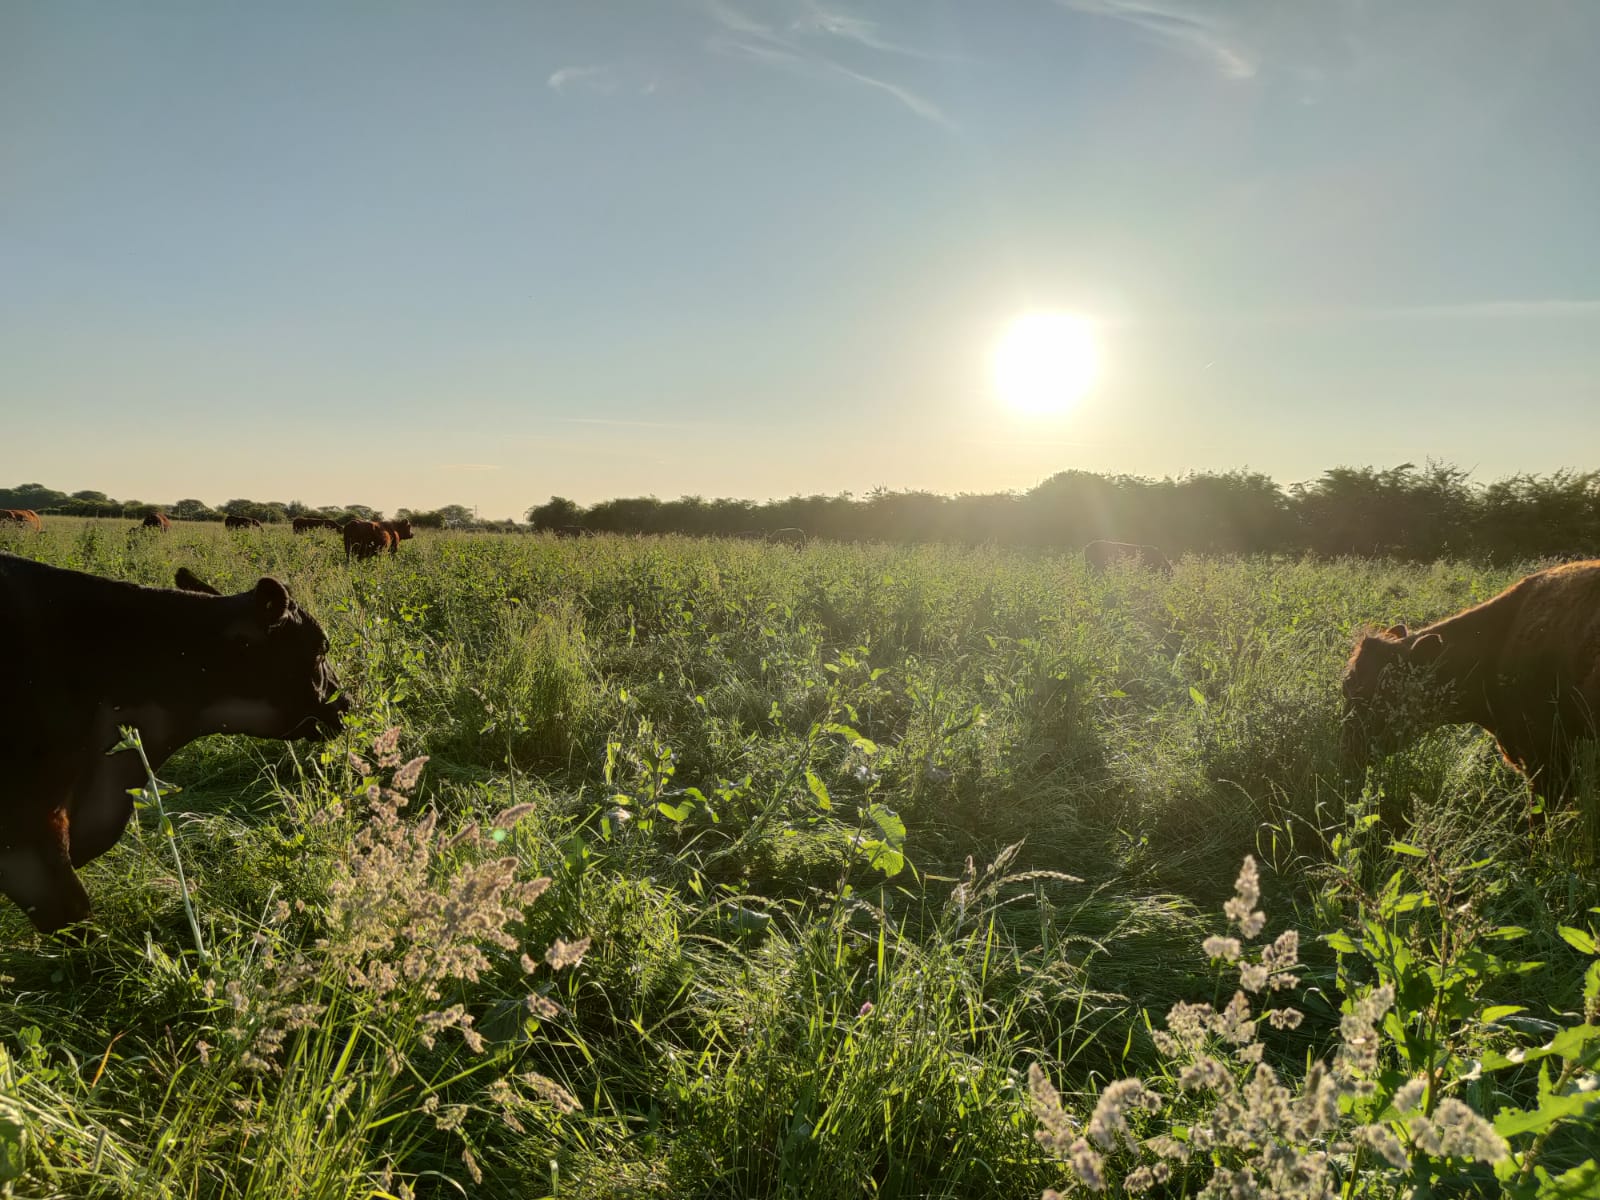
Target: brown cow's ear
[
  {"x": 1426, "y": 648},
  {"x": 272, "y": 600},
  {"x": 1395, "y": 632},
  {"x": 188, "y": 581}
]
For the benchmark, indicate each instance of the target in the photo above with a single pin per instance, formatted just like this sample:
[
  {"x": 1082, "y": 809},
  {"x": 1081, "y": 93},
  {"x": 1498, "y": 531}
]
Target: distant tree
[
  {"x": 555, "y": 514},
  {"x": 193, "y": 510},
  {"x": 92, "y": 497},
  {"x": 359, "y": 512},
  {"x": 31, "y": 495},
  {"x": 421, "y": 518}
]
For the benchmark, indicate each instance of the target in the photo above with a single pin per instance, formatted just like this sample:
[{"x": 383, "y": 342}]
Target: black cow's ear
[
  {"x": 188, "y": 581},
  {"x": 1395, "y": 632},
  {"x": 272, "y": 599},
  {"x": 1426, "y": 648}
]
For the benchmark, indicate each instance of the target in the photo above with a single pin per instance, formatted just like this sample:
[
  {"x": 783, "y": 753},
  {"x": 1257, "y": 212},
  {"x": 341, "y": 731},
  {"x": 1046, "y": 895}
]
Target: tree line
[
  {"x": 1413, "y": 512},
  {"x": 48, "y": 501},
  {"x": 1422, "y": 513}
]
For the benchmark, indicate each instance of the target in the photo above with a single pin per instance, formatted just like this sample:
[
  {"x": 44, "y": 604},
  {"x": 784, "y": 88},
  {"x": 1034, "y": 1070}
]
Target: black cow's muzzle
[{"x": 325, "y": 723}]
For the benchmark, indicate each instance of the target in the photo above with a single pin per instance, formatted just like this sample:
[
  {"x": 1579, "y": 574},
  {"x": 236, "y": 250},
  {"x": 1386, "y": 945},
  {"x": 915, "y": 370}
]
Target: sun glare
[{"x": 1046, "y": 362}]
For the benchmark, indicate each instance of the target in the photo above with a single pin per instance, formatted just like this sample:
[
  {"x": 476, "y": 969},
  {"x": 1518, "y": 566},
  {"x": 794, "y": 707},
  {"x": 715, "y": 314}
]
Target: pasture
[{"x": 855, "y": 834}]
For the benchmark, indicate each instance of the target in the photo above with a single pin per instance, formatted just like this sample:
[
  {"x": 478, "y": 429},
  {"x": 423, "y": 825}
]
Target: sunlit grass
[{"x": 761, "y": 1013}]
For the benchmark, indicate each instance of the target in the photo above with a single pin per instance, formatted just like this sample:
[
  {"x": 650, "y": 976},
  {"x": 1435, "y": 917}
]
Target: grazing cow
[
  {"x": 156, "y": 520},
  {"x": 787, "y": 537},
  {"x": 571, "y": 531},
  {"x": 25, "y": 517},
  {"x": 1100, "y": 555},
  {"x": 85, "y": 655},
  {"x": 241, "y": 523},
  {"x": 307, "y": 524},
  {"x": 398, "y": 531},
  {"x": 365, "y": 539},
  {"x": 1524, "y": 665}
]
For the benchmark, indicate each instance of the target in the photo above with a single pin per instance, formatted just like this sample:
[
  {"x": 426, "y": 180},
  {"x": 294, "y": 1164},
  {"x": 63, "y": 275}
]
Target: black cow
[{"x": 85, "y": 655}]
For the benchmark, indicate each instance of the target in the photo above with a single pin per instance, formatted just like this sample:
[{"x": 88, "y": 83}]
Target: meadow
[{"x": 738, "y": 870}]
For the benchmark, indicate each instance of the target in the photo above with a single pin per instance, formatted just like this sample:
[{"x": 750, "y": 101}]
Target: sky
[{"x": 402, "y": 253}]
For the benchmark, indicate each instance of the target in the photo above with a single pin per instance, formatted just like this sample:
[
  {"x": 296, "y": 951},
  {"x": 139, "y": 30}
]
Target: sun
[{"x": 1046, "y": 362}]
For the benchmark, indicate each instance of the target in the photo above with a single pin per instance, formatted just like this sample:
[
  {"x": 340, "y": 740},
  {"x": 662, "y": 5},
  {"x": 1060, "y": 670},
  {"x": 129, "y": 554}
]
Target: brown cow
[
  {"x": 365, "y": 539},
  {"x": 1100, "y": 555},
  {"x": 398, "y": 531},
  {"x": 1524, "y": 665},
  {"x": 202, "y": 663},
  {"x": 789, "y": 536},
  {"x": 307, "y": 524},
  {"x": 240, "y": 523},
  {"x": 156, "y": 520},
  {"x": 25, "y": 517}
]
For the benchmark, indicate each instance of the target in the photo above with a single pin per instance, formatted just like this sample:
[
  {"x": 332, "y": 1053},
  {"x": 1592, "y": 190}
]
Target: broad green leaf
[
  {"x": 1509, "y": 1122},
  {"x": 1578, "y": 939},
  {"x": 1496, "y": 1011},
  {"x": 820, "y": 791}
]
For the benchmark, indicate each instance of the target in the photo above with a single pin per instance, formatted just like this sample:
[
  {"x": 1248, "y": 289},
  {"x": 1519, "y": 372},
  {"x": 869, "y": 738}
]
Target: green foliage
[
  {"x": 759, "y": 780},
  {"x": 1403, "y": 1104}
]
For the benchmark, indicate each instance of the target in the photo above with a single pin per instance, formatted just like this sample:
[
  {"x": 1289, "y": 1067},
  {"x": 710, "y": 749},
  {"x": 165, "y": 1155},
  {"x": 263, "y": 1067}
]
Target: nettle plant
[{"x": 1381, "y": 1115}]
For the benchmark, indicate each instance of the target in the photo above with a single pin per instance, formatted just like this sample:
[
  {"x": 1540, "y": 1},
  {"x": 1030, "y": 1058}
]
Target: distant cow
[
  {"x": 307, "y": 524},
  {"x": 156, "y": 520},
  {"x": 571, "y": 531},
  {"x": 241, "y": 523},
  {"x": 1100, "y": 555},
  {"x": 25, "y": 517},
  {"x": 398, "y": 531},
  {"x": 787, "y": 537},
  {"x": 1525, "y": 665},
  {"x": 366, "y": 539},
  {"x": 201, "y": 663}
]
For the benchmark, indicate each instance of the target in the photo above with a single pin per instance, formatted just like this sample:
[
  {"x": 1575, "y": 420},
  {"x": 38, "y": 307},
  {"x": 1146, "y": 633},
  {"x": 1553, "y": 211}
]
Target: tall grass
[{"x": 719, "y": 742}]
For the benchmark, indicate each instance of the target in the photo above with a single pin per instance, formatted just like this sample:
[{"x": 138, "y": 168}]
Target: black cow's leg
[
  {"x": 37, "y": 875},
  {"x": 95, "y": 829}
]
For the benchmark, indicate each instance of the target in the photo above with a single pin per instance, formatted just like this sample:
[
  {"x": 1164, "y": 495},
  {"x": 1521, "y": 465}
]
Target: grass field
[{"x": 754, "y": 777}]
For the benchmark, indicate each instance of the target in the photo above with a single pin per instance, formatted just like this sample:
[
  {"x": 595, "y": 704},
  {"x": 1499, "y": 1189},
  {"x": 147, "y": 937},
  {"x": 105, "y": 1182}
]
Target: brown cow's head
[
  {"x": 1391, "y": 693},
  {"x": 272, "y": 663}
]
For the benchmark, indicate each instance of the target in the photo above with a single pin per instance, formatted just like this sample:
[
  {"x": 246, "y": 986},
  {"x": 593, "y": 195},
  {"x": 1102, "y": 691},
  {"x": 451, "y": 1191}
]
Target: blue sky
[{"x": 414, "y": 254}]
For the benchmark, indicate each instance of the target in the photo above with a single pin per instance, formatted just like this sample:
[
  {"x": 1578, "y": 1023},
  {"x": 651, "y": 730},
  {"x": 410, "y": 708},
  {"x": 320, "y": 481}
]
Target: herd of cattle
[
  {"x": 362, "y": 539},
  {"x": 1524, "y": 665},
  {"x": 365, "y": 539}
]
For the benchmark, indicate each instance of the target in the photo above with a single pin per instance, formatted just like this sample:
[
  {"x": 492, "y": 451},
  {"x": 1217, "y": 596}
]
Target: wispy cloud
[
  {"x": 601, "y": 79},
  {"x": 800, "y": 38},
  {"x": 851, "y": 28},
  {"x": 1203, "y": 32},
  {"x": 469, "y": 466},
  {"x": 1308, "y": 41},
  {"x": 626, "y": 424},
  {"x": 1470, "y": 310},
  {"x": 1522, "y": 310}
]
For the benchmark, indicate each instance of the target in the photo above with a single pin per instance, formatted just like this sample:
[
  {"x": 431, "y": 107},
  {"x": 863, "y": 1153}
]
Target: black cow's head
[
  {"x": 1391, "y": 692},
  {"x": 272, "y": 676}
]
